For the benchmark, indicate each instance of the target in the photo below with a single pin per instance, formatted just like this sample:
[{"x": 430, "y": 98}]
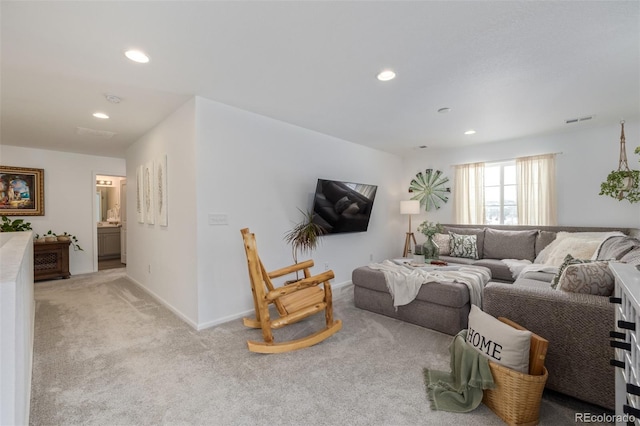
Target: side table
[{"x": 51, "y": 260}]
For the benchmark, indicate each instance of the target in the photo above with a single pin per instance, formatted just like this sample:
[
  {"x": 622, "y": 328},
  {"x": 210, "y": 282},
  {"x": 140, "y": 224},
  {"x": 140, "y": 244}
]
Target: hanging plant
[{"x": 623, "y": 183}]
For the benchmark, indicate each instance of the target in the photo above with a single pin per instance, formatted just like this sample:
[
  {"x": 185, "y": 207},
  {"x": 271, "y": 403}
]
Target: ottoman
[{"x": 438, "y": 306}]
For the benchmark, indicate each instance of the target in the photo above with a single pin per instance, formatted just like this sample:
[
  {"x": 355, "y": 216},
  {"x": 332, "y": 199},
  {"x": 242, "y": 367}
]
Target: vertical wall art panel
[
  {"x": 140, "y": 194},
  {"x": 161, "y": 192},
  {"x": 149, "y": 210}
]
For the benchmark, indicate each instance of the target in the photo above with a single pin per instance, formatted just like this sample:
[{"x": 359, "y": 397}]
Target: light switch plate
[{"x": 218, "y": 219}]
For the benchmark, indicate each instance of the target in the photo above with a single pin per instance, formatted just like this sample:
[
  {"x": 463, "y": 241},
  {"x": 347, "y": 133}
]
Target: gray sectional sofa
[{"x": 576, "y": 325}]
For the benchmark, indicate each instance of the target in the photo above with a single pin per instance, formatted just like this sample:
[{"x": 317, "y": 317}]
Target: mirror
[{"x": 109, "y": 200}]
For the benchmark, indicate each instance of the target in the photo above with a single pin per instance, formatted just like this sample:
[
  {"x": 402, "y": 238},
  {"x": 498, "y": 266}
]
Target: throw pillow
[
  {"x": 478, "y": 232},
  {"x": 498, "y": 341},
  {"x": 587, "y": 278},
  {"x": 444, "y": 243},
  {"x": 568, "y": 260},
  {"x": 464, "y": 246},
  {"x": 342, "y": 204}
]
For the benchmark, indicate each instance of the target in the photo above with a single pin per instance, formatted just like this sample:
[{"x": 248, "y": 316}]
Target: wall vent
[
  {"x": 83, "y": 131},
  {"x": 576, "y": 120}
]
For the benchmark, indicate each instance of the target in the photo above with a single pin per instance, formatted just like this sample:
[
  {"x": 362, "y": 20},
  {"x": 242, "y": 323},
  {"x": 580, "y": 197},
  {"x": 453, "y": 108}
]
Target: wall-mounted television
[{"x": 343, "y": 206}]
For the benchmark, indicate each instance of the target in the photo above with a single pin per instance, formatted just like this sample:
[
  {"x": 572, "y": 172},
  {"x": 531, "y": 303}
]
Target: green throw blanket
[{"x": 460, "y": 390}]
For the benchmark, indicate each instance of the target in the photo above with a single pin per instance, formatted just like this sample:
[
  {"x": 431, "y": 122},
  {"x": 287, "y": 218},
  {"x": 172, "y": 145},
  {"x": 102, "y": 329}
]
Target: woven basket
[{"x": 516, "y": 398}]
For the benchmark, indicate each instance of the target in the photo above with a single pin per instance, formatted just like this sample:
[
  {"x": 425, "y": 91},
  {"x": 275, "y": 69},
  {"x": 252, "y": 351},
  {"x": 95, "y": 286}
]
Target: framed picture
[
  {"x": 139, "y": 194},
  {"x": 161, "y": 191},
  {"x": 147, "y": 178},
  {"x": 21, "y": 191}
]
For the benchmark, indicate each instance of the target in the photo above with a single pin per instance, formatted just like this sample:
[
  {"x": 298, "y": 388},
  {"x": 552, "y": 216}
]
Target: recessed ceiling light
[
  {"x": 470, "y": 132},
  {"x": 137, "y": 56},
  {"x": 100, "y": 115},
  {"x": 386, "y": 75},
  {"x": 444, "y": 110}
]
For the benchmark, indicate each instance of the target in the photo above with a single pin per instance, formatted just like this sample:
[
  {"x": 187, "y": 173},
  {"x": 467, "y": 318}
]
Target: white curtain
[
  {"x": 468, "y": 196},
  {"x": 536, "y": 183}
]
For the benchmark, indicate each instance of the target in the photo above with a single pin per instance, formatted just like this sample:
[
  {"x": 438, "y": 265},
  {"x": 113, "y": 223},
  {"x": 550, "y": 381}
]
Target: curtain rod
[{"x": 507, "y": 159}]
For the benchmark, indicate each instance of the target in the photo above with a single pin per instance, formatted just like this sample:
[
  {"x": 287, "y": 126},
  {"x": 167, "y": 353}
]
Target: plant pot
[
  {"x": 50, "y": 239},
  {"x": 63, "y": 239}
]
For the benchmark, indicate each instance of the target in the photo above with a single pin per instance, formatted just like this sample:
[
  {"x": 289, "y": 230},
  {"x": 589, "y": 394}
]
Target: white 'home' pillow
[{"x": 498, "y": 341}]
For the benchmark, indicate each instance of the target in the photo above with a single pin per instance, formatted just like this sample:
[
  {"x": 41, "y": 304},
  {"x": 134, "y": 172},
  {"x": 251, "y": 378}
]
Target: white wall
[
  {"x": 69, "y": 184},
  {"x": 259, "y": 172},
  {"x": 163, "y": 260},
  {"x": 587, "y": 156}
]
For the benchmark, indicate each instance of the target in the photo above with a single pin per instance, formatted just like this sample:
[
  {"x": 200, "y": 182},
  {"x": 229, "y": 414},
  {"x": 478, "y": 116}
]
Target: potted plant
[
  {"x": 623, "y": 185},
  {"x": 305, "y": 236},
  {"x": 17, "y": 225}
]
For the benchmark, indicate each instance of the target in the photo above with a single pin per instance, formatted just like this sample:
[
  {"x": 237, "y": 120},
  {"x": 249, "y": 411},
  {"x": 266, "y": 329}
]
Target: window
[
  {"x": 500, "y": 194},
  {"x": 513, "y": 192}
]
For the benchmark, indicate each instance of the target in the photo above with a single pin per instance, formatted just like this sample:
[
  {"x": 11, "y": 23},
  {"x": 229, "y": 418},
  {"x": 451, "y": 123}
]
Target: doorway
[{"x": 110, "y": 209}]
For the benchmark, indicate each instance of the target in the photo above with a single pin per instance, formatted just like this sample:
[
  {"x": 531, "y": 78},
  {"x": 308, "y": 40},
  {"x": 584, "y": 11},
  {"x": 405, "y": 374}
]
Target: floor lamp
[{"x": 409, "y": 207}]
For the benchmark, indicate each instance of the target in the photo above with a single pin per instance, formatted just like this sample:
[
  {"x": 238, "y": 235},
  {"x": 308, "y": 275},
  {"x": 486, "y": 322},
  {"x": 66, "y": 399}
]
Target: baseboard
[
  {"x": 342, "y": 290},
  {"x": 339, "y": 291},
  {"x": 164, "y": 302},
  {"x": 250, "y": 313}
]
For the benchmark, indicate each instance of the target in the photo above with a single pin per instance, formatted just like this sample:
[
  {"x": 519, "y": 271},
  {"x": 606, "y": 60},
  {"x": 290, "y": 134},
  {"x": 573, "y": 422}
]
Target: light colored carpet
[{"x": 106, "y": 353}]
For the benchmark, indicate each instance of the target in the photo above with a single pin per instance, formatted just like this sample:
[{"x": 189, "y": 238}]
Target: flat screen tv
[{"x": 343, "y": 206}]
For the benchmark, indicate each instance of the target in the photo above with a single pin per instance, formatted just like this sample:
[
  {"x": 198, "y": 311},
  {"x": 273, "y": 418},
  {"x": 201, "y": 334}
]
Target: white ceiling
[{"x": 507, "y": 69}]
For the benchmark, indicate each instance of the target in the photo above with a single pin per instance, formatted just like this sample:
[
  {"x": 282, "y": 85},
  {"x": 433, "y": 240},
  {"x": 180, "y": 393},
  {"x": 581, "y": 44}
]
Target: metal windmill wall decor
[{"x": 430, "y": 189}]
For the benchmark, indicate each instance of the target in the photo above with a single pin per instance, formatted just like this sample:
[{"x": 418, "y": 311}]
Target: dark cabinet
[{"x": 51, "y": 260}]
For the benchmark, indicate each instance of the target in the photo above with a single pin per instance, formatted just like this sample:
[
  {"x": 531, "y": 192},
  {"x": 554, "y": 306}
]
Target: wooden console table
[{"x": 51, "y": 260}]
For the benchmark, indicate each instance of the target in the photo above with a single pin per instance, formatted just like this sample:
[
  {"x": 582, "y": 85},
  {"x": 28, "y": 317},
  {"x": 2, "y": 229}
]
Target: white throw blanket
[{"x": 404, "y": 282}]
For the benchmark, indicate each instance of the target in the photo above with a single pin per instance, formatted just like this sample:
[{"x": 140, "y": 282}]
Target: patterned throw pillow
[
  {"x": 588, "y": 278},
  {"x": 444, "y": 243},
  {"x": 464, "y": 246},
  {"x": 568, "y": 260}
]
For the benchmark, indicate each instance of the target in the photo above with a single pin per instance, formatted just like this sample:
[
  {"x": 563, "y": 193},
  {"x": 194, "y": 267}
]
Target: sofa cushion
[
  {"x": 464, "y": 246},
  {"x": 528, "y": 282},
  {"x": 588, "y": 278},
  {"x": 499, "y": 244},
  {"x": 500, "y": 342},
  {"x": 539, "y": 276},
  {"x": 499, "y": 269},
  {"x": 478, "y": 232},
  {"x": 448, "y": 294},
  {"x": 443, "y": 242}
]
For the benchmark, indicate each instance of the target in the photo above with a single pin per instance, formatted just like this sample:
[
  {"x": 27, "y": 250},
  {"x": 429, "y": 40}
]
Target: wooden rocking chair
[{"x": 293, "y": 302}]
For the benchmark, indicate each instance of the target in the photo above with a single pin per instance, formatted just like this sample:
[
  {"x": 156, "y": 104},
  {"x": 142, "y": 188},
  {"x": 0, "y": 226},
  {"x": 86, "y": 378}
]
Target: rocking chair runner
[{"x": 293, "y": 302}]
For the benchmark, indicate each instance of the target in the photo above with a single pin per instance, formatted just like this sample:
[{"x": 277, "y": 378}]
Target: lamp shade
[{"x": 410, "y": 207}]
